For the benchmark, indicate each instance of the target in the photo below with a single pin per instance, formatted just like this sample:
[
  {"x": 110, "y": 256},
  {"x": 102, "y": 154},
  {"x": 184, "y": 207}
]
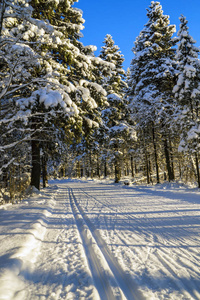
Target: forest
[{"x": 65, "y": 112}]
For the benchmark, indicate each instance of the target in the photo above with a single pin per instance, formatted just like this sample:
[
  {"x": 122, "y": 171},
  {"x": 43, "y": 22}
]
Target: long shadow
[
  {"x": 166, "y": 227},
  {"x": 162, "y": 284},
  {"x": 187, "y": 195},
  {"x": 137, "y": 191},
  {"x": 182, "y": 225}
]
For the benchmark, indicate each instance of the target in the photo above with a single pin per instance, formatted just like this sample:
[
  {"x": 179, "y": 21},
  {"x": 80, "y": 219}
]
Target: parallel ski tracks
[
  {"x": 111, "y": 281},
  {"x": 159, "y": 253}
]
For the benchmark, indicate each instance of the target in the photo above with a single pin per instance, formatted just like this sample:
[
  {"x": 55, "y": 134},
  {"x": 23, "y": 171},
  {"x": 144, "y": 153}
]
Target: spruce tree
[
  {"x": 116, "y": 129},
  {"x": 151, "y": 78},
  {"x": 187, "y": 93},
  {"x": 49, "y": 75}
]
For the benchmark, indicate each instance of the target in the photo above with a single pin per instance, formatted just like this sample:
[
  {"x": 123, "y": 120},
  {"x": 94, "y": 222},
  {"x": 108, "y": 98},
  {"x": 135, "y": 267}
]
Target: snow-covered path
[{"x": 90, "y": 240}]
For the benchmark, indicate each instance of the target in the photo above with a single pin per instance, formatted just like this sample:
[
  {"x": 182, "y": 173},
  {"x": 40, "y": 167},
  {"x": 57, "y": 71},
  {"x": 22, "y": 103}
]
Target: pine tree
[
  {"x": 114, "y": 80},
  {"x": 52, "y": 82},
  {"x": 187, "y": 93},
  {"x": 151, "y": 77},
  {"x": 115, "y": 127}
]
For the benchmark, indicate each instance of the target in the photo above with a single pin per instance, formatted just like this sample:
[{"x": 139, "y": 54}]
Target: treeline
[{"x": 66, "y": 112}]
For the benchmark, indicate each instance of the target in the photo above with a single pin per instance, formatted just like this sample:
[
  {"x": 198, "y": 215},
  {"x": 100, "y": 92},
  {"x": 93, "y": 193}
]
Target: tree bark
[
  {"x": 147, "y": 167},
  {"x": 117, "y": 172},
  {"x": 171, "y": 159},
  {"x": 168, "y": 163},
  {"x": 98, "y": 167},
  {"x": 44, "y": 171},
  {"x": 197, "y": 167},
  {"x": 78, "y": 170},
  {"x": 132, "y": 167},
  {"x": 117, "y": 169},
  {"x": 105, "y": 168},
  {"x": 36, "y": 168},
  {"x": 155, "y": 154}
]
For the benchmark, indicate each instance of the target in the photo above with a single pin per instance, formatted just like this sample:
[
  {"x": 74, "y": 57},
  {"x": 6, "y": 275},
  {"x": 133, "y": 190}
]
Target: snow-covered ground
[{"x": 96, "y": 240}]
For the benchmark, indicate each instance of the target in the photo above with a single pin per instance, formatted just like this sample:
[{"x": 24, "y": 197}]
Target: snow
[{"x": 87, "y": 239}]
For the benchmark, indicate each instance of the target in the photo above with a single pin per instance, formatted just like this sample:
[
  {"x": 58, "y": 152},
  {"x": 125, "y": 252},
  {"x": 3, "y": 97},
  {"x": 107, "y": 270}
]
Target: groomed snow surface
[{"x": 84, "y": 239}]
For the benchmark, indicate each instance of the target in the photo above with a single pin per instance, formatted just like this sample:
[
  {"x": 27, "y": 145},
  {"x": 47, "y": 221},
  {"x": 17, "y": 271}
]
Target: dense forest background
[{"x": 66, "y": 112}]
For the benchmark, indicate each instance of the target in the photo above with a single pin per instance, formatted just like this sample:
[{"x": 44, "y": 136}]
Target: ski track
[
  {"x": 101, "y": 258},
  {"x": 171, "y": 255},
  {"x": 67, "y": 275},
  {"x": 92, "y": 241},
  {"x": 51, "y": 263}
]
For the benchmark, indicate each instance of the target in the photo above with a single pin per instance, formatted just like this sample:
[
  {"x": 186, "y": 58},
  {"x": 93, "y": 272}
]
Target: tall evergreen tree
[
  {"x": 116, "y": 129},
  {"x": 151, "y": 78},
  {"x": 48, "y": 73},
  {"x": 114, "y": 80},
  {"x": 187, "y": 93}
]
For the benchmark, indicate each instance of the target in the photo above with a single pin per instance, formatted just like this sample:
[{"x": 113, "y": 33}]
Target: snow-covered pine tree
[
  {"x": 151, "y": 79},
  {"x": 187, "y": 93},
  {"x": 18, "y": 63},
  {"x": 53, "y": 81},
  {"x": 115, "y": 127},
  {"x": 113, "y": 80}
]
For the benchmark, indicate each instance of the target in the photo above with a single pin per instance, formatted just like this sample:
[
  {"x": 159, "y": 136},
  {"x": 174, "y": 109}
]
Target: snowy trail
[
  {"x": 90, "y": 240},
  {"x": 61, "y": 269},
  {"x": 48, "y": 263},
  {"x": 115, "y": 284},
  {"x": 158, "y": 244}
]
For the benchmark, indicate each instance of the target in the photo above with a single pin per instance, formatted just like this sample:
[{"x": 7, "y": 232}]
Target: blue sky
[{"x": 124, "y": 19}]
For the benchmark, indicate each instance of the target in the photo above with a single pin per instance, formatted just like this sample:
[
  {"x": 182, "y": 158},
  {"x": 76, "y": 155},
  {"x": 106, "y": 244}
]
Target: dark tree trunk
[
  {"x": 197, "y": 167},
  {"x": 91, "y": 175},
  {"x": 98, "y": 167},
  {"x": 155, "y": 155},
  {"x": 172, "y": 159},
  {"x": 5, "y": 178},
  {"x": 132, "y": 167},
  {"x": 147, "y": 168},
  {"x": 117, "y": 173},
  {"x": 44, "y": 171},
  {"x": 78, "y": 170},
  {"x": 36, "y": 169},
  {"x": 150, "y": 171},
  {"x": 105, "y": 169},
  {"x": 82, "y": 171},
  {"x": 168, "y": 163}
]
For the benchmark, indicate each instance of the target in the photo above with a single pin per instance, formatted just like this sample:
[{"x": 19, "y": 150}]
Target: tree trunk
[
  {"x": 197, "y": 167},
  {"x": 117, "y": 170},
  {"x": 90, "y": 169},
  {"x": 98, "y": 167},
  {"x": 36, "y": 168},
  {"x": 132, "y": 167},
  {"x": 78, "y": 170},
  {"x": 147, "y": 168},
  {"x": 44, "y": 171},
  {"x": 155, "y": 155},
  {"x": 117, "y": 173},
  {"x": 167, "y": 158},
  {"x": 105, "y": 169},
  {"x": 12, "y": 182},
  {"x": 172, "y": 159},
  {"x": 150, "y": 171}
]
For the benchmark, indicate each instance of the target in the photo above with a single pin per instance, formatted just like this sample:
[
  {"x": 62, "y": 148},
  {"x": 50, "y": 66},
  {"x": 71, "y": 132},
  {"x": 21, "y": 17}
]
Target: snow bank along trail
[{"x": 22, "y": 228}]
